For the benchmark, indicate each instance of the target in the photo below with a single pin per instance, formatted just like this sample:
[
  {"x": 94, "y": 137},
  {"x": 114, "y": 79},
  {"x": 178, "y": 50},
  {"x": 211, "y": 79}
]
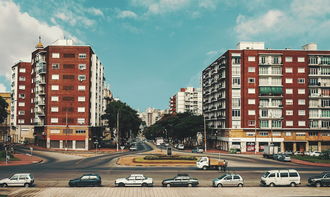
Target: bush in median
[{"x": 165, "y": 157}]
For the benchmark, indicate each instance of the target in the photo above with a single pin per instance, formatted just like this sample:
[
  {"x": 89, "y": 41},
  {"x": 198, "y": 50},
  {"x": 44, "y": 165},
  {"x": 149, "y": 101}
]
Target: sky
[{"x": 152, "y": 48}]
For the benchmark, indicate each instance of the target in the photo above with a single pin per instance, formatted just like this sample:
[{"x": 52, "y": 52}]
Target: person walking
[{"x": 225, "y": 166}]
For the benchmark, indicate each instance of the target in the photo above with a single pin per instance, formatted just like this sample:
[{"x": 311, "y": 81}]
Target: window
[
  {"x": 82, "y": 66},
  {"x": 289, "y": 102},
  {"x": 251, "y": 112},
  {"x": 68, "y": 55},
  {"x": 68, "y": 66},
  {"x": 301, "y": 91},
  {"x": 288, "y": 70},
  {"x": 55, "y": 55},
  {"x": 80, "y": 131},
  {"x": 301, "y": 123},
  {"x": 301, "y": 80},
  {"x": 236, "y": 70},
  {"x": 251, "y": 69},
  {"x": 68, "y": 77},
  {"x": 81, "y": 120},
  {"x": 301, "y": 70},
  {"x": 301, "y": 112},
  {"x": 81, "y": 109},
  {"x": 82, "y": 55},
  {"x": 301, "y": 59},
  {"x": 288, "y": 91},
  {"x": 293, "y": 174},
  {"x": 21, "y": 104},
  {"x": 55, "y": 131},
  {"x": 54, "y": 98},
  {"x": 55, "y": 77},
  {"x": 301, "y": 101},
  {"x": 22, "y": 70},
  {"x": 312, "y": 133},
  {"x": 263, "y": 133},
  {"x": 276, "y": 133},
  {"x": 236, "y": 102},
  {"x": 288, "y": 59},
  {"x": 312, "y": 60},
  {"x": 236, "y": 113},
  {"x": 251, "y": 80},
  {"x": 284, "y": 174},
  {"x": 264, "y": 124},
  {"x": 236, "y": 60},
  {"x": 252, "y": 123},
  {"x": 54, "y": 109},
  {"x": 54, "y": 120},
  {"x": 300, "y": 134},
  {"x": 289, "y": 123},
  {"x": 288, "y": 80},
  {"x": 21, "y": 121},
  {"x": 22, "y": 96},
  {"x": 81, "y": 99},
  {"x": 251, "y": 58},
  {"x": 251, "y": 101},
  {"x": 55, "y": 66},
  {"x": 55, "y": 87},
  {"x": 21, "y": 112},
  {"x": 21, "y": 78},
  {"x": 82, "y": 77},
  {"x": 81, "y": 88},
  {"x": 288, "y": 133},
  {"x": 21, "y": 87},
  {"x": 251, "y": 91}
]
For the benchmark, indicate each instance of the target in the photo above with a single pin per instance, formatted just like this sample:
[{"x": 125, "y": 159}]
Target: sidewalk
[
  {"x": 23, "y": 160},
  {"x": 310, "y": 163}
]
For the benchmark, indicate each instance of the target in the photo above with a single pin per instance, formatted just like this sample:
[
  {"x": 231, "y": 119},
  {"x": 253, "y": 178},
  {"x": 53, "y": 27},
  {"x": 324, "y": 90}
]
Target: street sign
[{"x": 122, "y": 147}]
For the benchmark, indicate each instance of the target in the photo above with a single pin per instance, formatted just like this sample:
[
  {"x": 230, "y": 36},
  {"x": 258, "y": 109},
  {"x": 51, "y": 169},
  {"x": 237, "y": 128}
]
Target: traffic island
[
  {"x": 157, "y": 160},
  {"x": 21, "y": 159}
]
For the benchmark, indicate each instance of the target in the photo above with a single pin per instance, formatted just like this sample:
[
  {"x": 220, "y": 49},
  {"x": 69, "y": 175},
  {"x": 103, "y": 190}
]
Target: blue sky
[{"x": 151, "y": 48}]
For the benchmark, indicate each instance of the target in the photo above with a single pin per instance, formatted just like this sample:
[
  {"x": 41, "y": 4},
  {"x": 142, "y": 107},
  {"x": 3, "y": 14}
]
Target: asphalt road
[{"x": 56, "y": 172}]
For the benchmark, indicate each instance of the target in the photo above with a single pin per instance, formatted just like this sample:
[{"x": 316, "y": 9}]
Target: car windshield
[
  {"x": 221, "y": 177},
  {"x": 266, "y": 174}
]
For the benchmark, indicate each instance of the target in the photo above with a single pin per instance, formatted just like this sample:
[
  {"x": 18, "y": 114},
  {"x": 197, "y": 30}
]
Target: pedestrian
[{"x": 225, "y": 166}]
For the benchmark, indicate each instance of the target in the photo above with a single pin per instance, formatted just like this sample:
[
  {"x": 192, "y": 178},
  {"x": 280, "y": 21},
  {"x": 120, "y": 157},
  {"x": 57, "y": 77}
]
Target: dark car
[
  {"x": 86, "y": 180},
  {"x": 181, "y": 180},
  {"x": 321, "y": 180}
]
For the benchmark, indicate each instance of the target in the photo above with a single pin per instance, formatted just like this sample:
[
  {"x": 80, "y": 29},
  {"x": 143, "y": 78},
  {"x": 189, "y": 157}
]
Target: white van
[{"x": 280, "y": 177}]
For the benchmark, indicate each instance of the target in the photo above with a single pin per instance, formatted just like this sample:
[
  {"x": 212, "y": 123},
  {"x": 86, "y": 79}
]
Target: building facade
[
  {"x": 254, "y": 96},
  {"x": 152, "y": 115},
  {"x": 187, "y": 100},
  {"x": 66, "y": 96},
  {"x": 5, "y": 126}
]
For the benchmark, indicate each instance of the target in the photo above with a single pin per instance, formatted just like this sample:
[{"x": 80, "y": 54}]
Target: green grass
[
  {"x": 143, "y": 160},
  {"x": 3, "y": 157},
  {"x": 173, "y": 157},
  {"x": 310, "y": 159}
]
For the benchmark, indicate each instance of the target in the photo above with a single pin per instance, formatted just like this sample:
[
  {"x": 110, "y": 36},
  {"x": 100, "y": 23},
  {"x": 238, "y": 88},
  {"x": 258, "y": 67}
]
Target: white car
[
  {"x": 280, "y": 177},
  {"x": 134, "y": 180},
  {"x": 180, "y": 146},
  {"x": 315, "y": 153},
  {"x": 24, "y": 179}
]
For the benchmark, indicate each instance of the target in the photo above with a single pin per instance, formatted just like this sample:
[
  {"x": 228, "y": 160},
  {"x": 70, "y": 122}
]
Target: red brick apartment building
[
  {"x": 63, "y": 101},
  {"x": 254, "y": 96}
]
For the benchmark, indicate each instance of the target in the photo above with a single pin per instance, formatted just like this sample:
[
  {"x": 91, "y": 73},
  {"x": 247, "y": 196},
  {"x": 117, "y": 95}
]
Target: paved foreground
[{"x": 164, "y": 192}]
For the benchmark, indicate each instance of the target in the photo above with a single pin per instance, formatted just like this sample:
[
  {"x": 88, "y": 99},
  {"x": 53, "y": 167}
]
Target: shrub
[{"x": 165, "y": 157}]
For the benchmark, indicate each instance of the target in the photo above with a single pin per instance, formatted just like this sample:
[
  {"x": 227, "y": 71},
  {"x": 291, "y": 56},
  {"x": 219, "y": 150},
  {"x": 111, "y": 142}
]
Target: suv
[
  {"x": 321, "y": 180},
  {"x": 23, "y": 179}
]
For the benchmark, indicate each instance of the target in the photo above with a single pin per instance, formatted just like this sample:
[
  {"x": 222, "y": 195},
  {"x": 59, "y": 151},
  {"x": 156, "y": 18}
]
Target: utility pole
[
  {"x": 204, "y": 133},
  {"x": 118, "y": 131}
]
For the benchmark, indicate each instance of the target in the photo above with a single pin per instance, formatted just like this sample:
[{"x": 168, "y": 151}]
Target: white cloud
[
  {"x": 19, "y": 34},
  {"x": 208, "y": 4},
  {"x": 2, "y": 88},
  {"x": 73, "y": 20},
  {"x": 95, "y": 11},
  {"x": 211, "y": 53},
  {"x": 127, "y": 14},
  {"x": 156, "y": 7}
]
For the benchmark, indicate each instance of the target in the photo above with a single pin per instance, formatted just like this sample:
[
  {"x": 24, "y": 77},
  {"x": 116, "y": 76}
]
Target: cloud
[
  {"x": 158, "y": 7},
  {"x": 302, "y": 18},
  {"x": 73, "y": 20},
  {"x": 95, "y": 11},
  {"x": 211, "y": 53},
  {"x": 127, "y": 14},
  {"x": 19, "y": 34},
  {"x": 208, "y": 4},
  {"x": 131, "y": 28},
  {"x": 2, "y": 88}
]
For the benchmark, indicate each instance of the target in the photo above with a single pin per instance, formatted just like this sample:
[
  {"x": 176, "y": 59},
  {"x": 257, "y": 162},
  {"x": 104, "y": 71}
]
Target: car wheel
[
  {"x": 189, "y": 185},
  {"x": 219, "y": 185},
  {"x": 26, "y": 185},
  {"x": 168, "y": 185},
  {"x": 204, "y": 167},
  {"x": 144, "y": 185},
  {"x": 4, "y": 185},
  {"x": 271, "y": 185},
  {"x": 318, "y": 184},
  {"x": 240, "y": 185},
  {"x": 121, "y": 185},
  {"x": 293, "y": 184}
]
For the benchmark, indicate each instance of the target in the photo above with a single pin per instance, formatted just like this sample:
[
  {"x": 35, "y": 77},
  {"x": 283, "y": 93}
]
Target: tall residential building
[
  {"x": 63, "y": 96},
  {"x": 5, "y": 126},
  {"x": 152, "y": 115},
  {"x": 254, "y": 96},
  {"x": 187, "y": 100}
]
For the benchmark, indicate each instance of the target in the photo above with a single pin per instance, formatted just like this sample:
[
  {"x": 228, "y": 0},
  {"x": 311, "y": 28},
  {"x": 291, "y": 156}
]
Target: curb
[{"x": 297, "y": 161}]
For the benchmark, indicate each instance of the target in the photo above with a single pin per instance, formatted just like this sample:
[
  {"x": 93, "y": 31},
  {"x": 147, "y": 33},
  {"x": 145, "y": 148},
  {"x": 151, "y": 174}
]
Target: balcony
[
  {"x": 271, "y": 106},
  {"x": 42, "y": 70}
]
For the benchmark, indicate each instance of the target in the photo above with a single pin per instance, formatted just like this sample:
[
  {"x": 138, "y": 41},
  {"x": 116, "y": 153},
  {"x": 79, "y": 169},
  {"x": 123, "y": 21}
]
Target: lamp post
[
  {"x": 117, "y": 132},
  {"x": 204, "y": 133},
  {"x": 255, "y": 134}
]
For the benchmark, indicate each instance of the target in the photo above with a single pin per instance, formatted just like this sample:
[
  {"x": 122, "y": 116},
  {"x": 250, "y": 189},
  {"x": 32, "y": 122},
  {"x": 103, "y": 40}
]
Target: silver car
[
  {"x": 134, "y": 180},
  {"x": 23, "y": 179},
  {"x": 228, "y": 180}
]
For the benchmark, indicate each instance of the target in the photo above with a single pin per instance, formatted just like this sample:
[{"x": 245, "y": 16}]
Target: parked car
[
  {"x": 284, "y": 157},
  {"x": 134, "y": 180},
  {"x": 275, "y": 156},
  {"x": 197, "y": 150},
  {"x": 86, "y": 180},
  {"x": 180, "y": 180},
  {"x": 307, "y": 153},
  {"x": 228, "y": 180},
  {"x": 280, "y": 177},
  {"x": 22, "y": 179},
  {"x": 298, "y": 153},
  {"x": 315, "y": 154},
  {"x": 133, "y": 148},
  {"x": 180, "y": 147},
  {"x": 288, "y": 152},
  {"x": 321, "y": 180}
]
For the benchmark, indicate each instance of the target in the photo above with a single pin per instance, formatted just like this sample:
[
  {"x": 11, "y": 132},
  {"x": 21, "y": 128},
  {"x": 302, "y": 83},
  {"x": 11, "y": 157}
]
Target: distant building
[
  {"x": 151, "y": 115},
  {"x": 58, "y": 98},
  {"x": 187, "y": 100},
  {"x": 254, "y": 96},
  {"x": 5, "y": 126}
]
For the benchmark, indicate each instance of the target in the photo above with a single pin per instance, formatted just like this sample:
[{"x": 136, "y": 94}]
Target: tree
[
  {"x": 129, "y": 121},
  {"x": 3, "y": 110}
]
